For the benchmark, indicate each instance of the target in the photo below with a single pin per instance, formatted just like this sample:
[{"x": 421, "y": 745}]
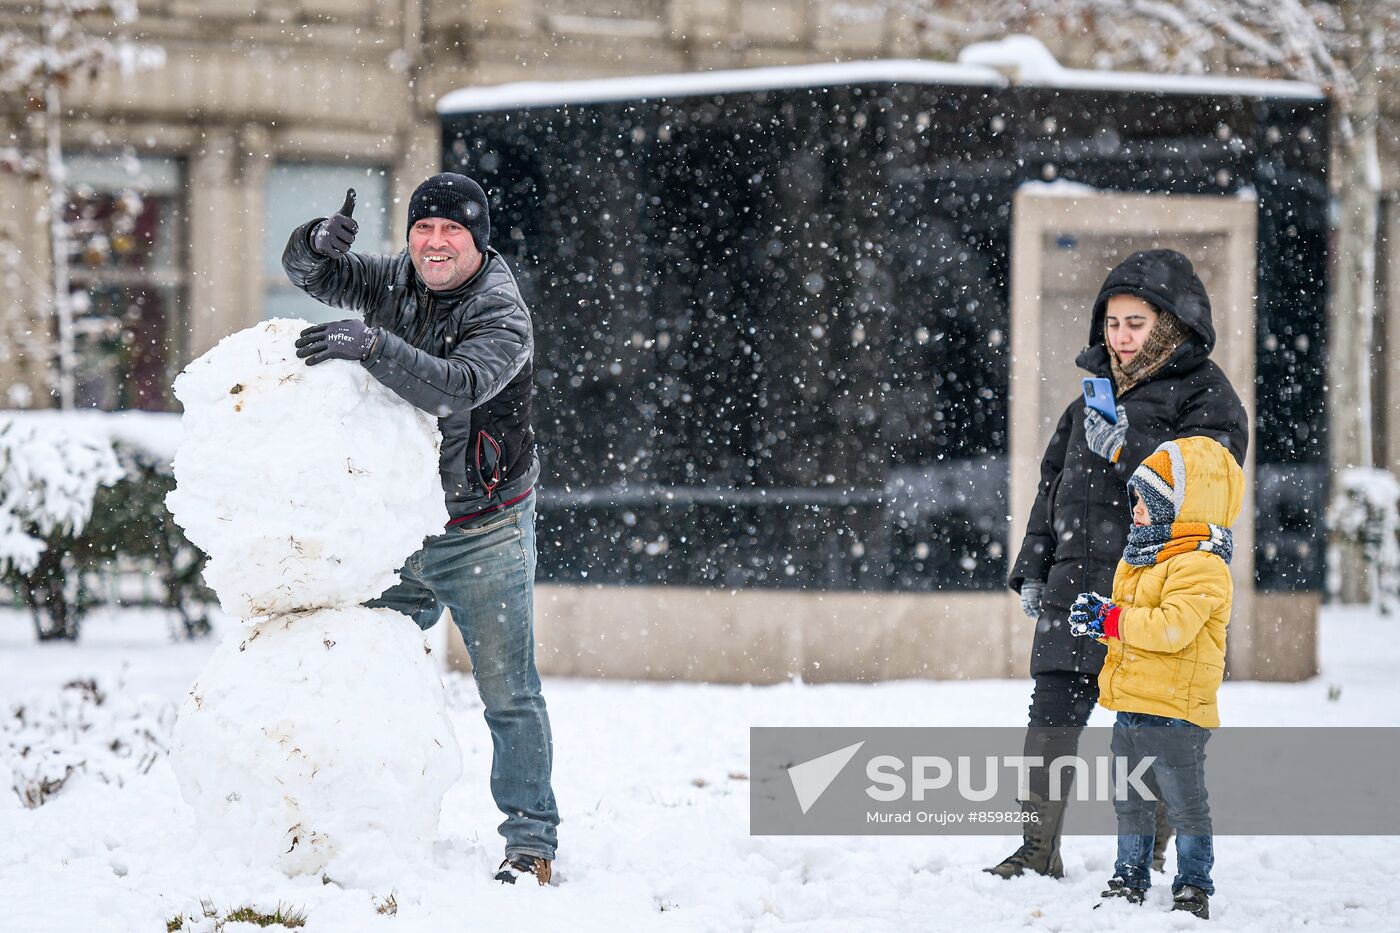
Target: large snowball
[
  {"x": 319, "y": 743},
  {"x": 307, "y": 486}
]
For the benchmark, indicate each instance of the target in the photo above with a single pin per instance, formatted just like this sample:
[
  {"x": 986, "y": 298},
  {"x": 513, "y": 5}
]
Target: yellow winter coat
[{"x": 1169, "y": 657}]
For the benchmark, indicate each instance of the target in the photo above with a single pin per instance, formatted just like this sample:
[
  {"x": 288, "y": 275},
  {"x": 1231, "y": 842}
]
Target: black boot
[
  {"x": 1117, "y": 887},
  {"x": 1192, "y": 900},
  {"x": 1159, "y": 841},
  {"x": 1040, "y": 846}
]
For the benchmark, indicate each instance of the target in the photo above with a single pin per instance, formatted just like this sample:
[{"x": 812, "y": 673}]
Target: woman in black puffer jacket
[{"x": 1152, "y": 335}]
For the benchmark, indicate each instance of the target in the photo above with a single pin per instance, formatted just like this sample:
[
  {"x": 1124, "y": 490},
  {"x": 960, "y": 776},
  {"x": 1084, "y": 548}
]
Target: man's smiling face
[{"x": 443, "y": 252}]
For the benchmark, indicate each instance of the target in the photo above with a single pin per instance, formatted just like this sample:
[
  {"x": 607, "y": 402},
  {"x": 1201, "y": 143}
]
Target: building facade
[{"x": 185, "y": 180}]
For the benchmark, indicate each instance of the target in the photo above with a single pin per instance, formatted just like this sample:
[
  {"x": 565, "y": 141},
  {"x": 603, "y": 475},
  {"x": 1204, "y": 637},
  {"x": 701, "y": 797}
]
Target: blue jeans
[
  {"x": 483, "y": 570},
  {"x": 1178, "y": 778}
]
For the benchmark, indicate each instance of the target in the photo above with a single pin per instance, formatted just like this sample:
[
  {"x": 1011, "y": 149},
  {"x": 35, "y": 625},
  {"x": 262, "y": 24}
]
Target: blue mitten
[{"x": 1093, "y": 615}]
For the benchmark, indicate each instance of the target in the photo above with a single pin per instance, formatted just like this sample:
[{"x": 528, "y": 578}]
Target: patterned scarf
[
  {"x": 1152, "y": 544},
  {"x": 1166, "y": 335}
]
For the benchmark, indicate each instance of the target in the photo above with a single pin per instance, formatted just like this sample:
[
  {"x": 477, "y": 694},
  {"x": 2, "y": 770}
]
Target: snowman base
[{"x": 319, "y": 742}]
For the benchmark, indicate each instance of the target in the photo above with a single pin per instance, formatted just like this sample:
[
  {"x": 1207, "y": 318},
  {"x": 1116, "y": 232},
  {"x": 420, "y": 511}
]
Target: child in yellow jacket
[{"x": 1165, "y": 633}]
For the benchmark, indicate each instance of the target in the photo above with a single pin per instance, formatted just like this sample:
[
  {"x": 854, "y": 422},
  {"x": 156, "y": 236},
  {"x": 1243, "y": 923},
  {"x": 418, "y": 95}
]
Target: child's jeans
[{"x": 1178, "y": 777}]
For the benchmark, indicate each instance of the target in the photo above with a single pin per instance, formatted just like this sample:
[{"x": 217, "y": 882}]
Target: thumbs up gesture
[{"x": 334, "y": 235}]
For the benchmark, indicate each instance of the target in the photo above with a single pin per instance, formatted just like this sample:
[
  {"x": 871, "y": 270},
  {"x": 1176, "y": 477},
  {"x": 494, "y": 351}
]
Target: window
[
  {"x": 617, "y": 9},
  {"x": 126, "y": 228},
  {"x": 297, "y": 192},
  {"x": 761, "y": 359}
]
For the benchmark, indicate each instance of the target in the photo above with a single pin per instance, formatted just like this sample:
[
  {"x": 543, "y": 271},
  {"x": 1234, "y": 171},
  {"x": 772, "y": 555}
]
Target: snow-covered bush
[
  {"x": 127, "y": 530},
  {"x": 50, "y": 475},
  {"x": 83, "y": 733},
  {"x": 131, "y": 530},
  {"x": 1366, "y": 515}
]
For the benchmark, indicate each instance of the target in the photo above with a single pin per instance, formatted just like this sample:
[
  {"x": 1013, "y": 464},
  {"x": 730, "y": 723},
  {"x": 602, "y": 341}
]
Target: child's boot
[
  {"x": 1192, "y": 900},
  {"x": 1119, "y": 887}
]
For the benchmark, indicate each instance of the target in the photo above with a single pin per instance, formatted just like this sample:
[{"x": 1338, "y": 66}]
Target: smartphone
[{"x": 1098, "y": 395}]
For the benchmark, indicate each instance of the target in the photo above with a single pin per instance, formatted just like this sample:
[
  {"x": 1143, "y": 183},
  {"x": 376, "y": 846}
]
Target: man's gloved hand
[
  {"x": 1031, "y": 591},
  {"x": 339, "y": 340},
  {"x": 1106, "y": 439},
  {"x": 1093, "y": 615},
  {"x": 334, "y": 235}
]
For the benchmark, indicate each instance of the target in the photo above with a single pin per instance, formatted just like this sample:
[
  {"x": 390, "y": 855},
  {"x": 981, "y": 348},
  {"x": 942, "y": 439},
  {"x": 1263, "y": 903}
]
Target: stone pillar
[
  {"x": 254, "y": 146},
  {"x": 220, "y": 280},
  {"x": 776, "y": 22},
  {"x": 704, "y": 30},
  {"x": 847, "y": 36},
  {"x": 420, "y": 155},
  {"x": 25, "y": 322},
  {"x": 1388, "y": 262},
  {"x": 494, "y": 15}
]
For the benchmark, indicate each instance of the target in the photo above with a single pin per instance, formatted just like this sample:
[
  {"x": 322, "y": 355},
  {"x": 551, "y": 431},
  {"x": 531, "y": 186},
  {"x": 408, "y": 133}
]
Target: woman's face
[{"x": 1127, "y": 322}]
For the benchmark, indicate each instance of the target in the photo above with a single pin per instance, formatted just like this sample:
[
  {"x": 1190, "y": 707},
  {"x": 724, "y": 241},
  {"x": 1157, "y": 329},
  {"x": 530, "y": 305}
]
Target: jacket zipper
[
  {"x": 1082, "y": 643},
  {"x": 425, "y": 311},
  {"x": 1084, "y": 578},
  {"x": 495, "y": 463}
]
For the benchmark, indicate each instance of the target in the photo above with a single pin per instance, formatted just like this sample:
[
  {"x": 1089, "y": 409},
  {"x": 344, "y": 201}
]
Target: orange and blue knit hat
[{"x": 1160, "y": 482}]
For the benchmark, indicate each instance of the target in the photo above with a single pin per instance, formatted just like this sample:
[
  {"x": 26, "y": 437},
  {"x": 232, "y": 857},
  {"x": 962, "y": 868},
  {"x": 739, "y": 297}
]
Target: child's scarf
[{"x": 1152, "y": 544}]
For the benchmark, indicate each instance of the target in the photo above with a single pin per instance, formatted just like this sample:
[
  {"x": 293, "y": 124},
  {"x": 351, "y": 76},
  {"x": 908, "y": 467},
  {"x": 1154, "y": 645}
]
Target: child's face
[{"x": 1140, "y": 516}]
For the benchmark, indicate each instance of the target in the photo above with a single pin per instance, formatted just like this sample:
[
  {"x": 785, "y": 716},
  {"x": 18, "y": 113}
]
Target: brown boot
[
  {"x": 1040, "y": 846},
  {"x": 523, "y": 866},
  {"x": 1160, "y": 840}
]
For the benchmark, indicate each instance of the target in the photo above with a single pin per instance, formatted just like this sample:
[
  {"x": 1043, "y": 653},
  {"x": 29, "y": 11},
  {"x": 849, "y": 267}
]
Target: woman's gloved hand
[
  {"x": 1106, "y": 439},
  {"x": 1031, "y": 591}
]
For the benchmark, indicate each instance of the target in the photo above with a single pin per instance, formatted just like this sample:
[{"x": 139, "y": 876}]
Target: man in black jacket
[
  {"x": 1152, "y": 335},
  {"x": 445, "y": 328}
]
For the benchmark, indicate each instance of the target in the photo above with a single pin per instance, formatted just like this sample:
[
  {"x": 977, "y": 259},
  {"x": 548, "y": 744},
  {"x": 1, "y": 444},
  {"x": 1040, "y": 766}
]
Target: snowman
[{"x": 317, "y": 739}]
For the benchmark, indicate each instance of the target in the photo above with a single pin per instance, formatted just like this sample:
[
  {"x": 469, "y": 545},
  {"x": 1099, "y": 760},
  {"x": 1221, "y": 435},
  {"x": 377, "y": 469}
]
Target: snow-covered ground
[{"x": 651, "y": 783}]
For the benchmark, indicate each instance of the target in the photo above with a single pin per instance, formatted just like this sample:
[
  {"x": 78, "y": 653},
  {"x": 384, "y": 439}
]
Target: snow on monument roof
[
  {"x": 689, "y": 84},
  {"x": 1062, "y": 188},
  {"x": 987, "y": 64},
  {"x": 1028, "y": 62}
]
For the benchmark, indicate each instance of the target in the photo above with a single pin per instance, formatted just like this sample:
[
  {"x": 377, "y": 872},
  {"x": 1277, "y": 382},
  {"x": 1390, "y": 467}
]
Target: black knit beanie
[{"x": 453, "y": 197}]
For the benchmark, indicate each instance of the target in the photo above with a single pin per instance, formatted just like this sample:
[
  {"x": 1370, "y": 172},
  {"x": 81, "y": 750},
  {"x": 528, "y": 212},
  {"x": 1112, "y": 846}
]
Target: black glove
[
  {"x": 338, "y": 340},
  {"x": 334, "y": 235}
]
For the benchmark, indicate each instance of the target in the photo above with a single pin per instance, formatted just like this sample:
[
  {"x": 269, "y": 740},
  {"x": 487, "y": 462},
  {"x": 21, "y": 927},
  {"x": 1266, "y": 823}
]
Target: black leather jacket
[{"x": 465, "y": 355}]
